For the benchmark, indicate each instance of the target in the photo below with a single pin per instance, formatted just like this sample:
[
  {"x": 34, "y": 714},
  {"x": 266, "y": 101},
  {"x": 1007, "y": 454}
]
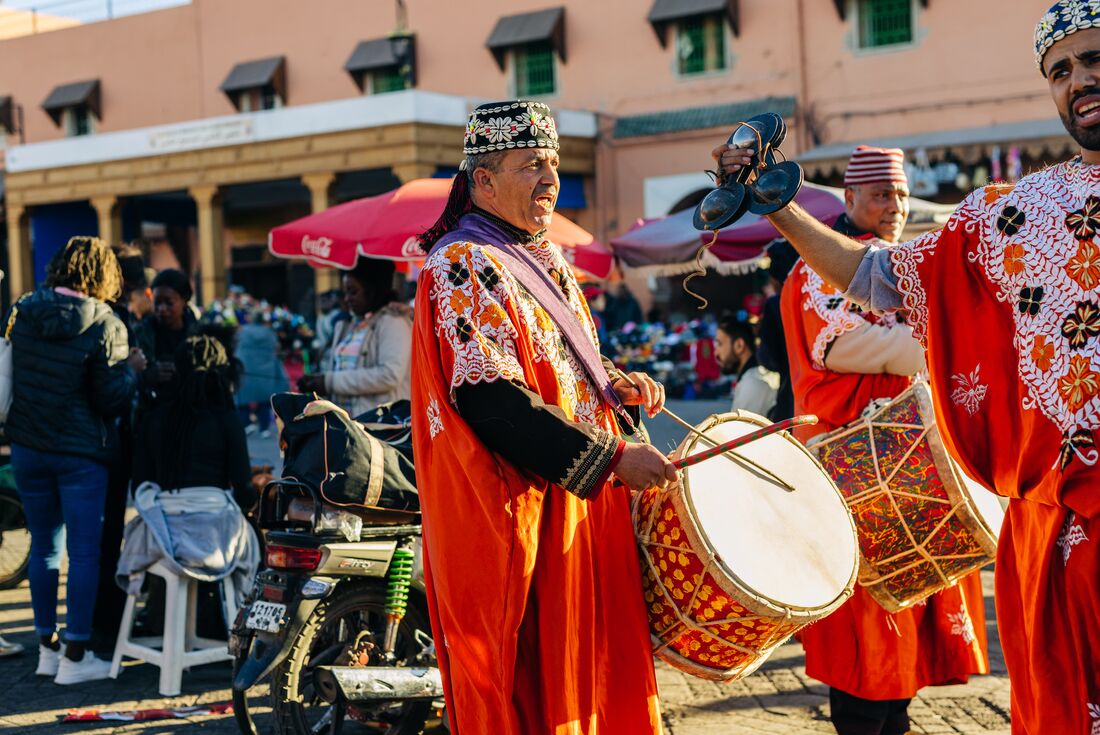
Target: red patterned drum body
[
  {"x": 922, "y": 523},
  {"x": 741, "y": 553}
]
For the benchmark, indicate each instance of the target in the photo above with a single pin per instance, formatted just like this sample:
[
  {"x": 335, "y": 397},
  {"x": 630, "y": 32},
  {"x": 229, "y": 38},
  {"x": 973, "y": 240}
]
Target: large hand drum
[
  {"x": 922, "y": 523},
  {"x": 738, "y": 555}
]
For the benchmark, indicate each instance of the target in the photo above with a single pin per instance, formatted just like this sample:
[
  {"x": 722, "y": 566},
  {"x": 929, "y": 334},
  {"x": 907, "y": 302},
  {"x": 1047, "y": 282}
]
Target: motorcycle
[
  {"x": 15, "y": 539},
  {"x": 337, "y": 618}
]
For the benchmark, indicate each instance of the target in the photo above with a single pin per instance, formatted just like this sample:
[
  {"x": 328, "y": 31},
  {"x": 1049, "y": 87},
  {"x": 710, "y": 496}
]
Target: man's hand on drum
[
  {"x": 731, "y": 160},
  {"x": 649, "y": 394},
  {"x": 641, "y": 466}
]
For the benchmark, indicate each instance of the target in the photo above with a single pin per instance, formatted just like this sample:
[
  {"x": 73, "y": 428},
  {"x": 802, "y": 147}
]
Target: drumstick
[
  {"x": 743, "y": 440},
  {"x": 730, "y": 455}
]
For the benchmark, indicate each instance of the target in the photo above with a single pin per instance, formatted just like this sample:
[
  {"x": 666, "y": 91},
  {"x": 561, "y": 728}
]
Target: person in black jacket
[
  {"x": 173, "y": 320},
  {"x": 73, "y": 376},
  {"x": 197, "y": 439}
]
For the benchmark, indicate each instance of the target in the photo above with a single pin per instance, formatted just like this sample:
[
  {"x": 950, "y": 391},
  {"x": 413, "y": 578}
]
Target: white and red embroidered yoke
[
  {"x": 534, "y": 592},
  {"x": 1006, "y": 299}
]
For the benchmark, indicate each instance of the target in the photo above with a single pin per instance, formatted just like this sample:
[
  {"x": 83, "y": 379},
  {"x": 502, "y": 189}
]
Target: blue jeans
[{"x": 60, "y": 493}]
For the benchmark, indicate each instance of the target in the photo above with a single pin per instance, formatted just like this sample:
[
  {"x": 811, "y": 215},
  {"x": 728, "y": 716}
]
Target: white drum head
[
  {"x": 797, "y": 549},
  {"x": 986, "y": 504}
]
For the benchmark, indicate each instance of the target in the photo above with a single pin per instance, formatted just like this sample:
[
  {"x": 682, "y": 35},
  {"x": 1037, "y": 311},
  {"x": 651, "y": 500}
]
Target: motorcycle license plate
[{"x": 266, "y": 616}]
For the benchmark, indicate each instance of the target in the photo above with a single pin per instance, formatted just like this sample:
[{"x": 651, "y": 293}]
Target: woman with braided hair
[{"x": 196, "y": 438}]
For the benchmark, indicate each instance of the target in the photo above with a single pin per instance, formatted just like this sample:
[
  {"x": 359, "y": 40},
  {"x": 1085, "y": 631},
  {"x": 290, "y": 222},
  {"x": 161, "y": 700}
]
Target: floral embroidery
[
  {"x": 1080, "y": 445},
  {"x": 435, "y": 421},
  {"x": 962, "y": 625},
  {"x": 1084, "y": 267},
  {"x": 1011, "y": 220},
  {"x": 969, "y": 391},
  {"x": 482, "y": 318},
  {"x": 1094, "y": 715},
  {"x": 1042, "y": 352},
  {"x": 1084, "y": 223},
  {"x": 993, "y": 192},
  {"x": 1072, "y": 534},
  {"x": 501, "y": 129},
  {"x": 1031, "y": 297},
  {"x": 1079, "y": 384},
  {"x": 472, "y": 130},
  {"x": 840, "y": 315},
  {"x": 1082, "y": 324},
  {"x": 531, "y": 120},
  {"x": 1014, "y": 259}
]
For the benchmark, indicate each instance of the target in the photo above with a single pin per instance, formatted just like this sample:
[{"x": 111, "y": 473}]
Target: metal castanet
[{"x": 775, "y": 428}]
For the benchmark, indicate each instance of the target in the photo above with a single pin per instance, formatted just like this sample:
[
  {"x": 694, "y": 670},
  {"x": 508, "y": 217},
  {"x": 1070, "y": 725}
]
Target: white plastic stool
[{"x": 179, "y": 648}]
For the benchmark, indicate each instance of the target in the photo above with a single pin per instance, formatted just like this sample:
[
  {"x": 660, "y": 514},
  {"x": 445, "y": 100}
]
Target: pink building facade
[{"x": 204, "y": 125}]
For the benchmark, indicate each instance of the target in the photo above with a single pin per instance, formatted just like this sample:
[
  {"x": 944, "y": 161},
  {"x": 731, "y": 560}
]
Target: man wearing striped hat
[
  {"x": 1006, "y": 299},
  {"x": 841, "y": 359}
]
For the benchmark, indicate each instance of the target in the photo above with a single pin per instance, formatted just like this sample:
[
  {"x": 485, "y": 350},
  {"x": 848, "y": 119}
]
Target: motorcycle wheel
[
  {"x": 15, "y": 541},
  {"x": 331, "y": 632}
]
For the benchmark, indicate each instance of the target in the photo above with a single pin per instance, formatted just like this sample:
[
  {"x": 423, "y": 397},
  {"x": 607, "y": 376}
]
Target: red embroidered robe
[
  {"x": 535, "y": 595},
  {"x": 1005, "y": 299},
  {"x": 861, "y": 649}
]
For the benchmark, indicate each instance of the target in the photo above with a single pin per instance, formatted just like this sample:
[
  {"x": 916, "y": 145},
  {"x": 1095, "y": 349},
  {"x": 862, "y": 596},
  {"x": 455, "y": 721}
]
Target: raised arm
[{"x": 833, "y": 255}]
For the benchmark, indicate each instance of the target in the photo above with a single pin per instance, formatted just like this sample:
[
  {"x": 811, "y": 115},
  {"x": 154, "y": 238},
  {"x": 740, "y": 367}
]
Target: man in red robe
[
  {"x": 535, "y": 590},
  {"x": 842, "y": 358},
  {"x": 1005, "y": 299}
]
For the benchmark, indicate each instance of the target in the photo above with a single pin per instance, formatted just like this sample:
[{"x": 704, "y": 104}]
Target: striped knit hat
[{"x": 870, "y": 165}]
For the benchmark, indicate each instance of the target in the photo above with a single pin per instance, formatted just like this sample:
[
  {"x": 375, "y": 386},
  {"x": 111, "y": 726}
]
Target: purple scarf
[{"x": 537, "y": 281}]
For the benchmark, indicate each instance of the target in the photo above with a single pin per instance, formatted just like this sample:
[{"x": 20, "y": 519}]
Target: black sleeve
[
  {"x": 144, "y": 468},
  {"x": 239, "y": 467},
  {"x": 112, "y": 380},
  {"x": 518, "y": 425}
]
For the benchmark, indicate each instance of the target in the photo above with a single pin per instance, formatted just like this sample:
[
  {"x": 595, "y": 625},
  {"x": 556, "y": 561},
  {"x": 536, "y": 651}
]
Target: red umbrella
[
  {"x": 386, "y": 227},
  {"x": 668, "y": 246}
]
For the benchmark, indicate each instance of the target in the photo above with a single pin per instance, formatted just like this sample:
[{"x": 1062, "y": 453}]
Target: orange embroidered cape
[
  {"x": 1006, "y": 299},
  {"x": 861, "y": 649},
  {"x": 535, "y": 595}
]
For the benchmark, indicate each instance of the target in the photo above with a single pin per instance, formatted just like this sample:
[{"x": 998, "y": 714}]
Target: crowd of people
[{"x": 121, "y": 382}]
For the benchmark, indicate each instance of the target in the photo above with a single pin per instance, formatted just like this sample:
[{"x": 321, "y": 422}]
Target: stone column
[
  {"x": 320, "y": 188},
  {"x": 406, "y": 172},
  {"x": 211, "y": 244},
  {"x": 109, "y": 212},
  {"x": 20, "y": 272}
]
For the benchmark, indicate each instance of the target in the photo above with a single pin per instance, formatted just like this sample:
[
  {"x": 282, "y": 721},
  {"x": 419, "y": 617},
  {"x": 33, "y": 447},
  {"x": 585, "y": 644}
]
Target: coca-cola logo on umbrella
[{"x": 320, "y": 247}]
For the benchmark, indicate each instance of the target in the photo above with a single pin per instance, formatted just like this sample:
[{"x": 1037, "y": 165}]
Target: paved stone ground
[{"x": 779, "y": 698}]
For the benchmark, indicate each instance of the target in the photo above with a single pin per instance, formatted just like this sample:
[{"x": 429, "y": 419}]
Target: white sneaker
[
  {"x": 89, "y": 668},
  {"x": 48, "y": 661}
]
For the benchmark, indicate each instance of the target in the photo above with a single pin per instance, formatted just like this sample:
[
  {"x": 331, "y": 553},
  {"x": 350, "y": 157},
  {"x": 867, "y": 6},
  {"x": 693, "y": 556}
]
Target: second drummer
[{"x": 842, "y": 358}]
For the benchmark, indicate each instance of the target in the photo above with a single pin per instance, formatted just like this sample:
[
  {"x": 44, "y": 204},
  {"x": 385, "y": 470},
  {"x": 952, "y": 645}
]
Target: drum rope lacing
[{"x": 868, "y": 424}]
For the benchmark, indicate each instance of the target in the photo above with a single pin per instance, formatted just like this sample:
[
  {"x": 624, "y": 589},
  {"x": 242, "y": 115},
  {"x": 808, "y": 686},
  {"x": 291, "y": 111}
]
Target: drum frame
[
  {"x": 698, "y": 543},
  {"x": 962, "y": 506}
]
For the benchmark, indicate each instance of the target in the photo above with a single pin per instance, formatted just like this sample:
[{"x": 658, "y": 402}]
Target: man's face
[
  {"x": 881, "y": 209},
  {"x": 1072, "y": 66},
  {"x": 727, "y": 351},
  {"x": 523, "y": 191}
]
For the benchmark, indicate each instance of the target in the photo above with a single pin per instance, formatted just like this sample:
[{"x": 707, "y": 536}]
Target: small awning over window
[
  {"x": 842, "y": 7},
  {"x": 519, "y": 30},
  {"x": 382, "y": 53},
  {"x": 256, "y": 74},
  {"x": 665, "y": 12},
  {"x": 7, "y": 114},
  {"x": 77, "y": 94}
]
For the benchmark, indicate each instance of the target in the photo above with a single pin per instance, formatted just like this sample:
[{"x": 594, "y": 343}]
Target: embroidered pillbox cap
[
  {"x": 504, "y": 126},
  {"x": 1063, "y": 18},
  {"x": 871, "y": 165}
]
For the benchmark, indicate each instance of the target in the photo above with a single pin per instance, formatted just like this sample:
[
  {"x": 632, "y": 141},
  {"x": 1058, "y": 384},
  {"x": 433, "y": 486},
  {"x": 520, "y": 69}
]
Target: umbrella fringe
[{"x": 722, "y": 267}]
